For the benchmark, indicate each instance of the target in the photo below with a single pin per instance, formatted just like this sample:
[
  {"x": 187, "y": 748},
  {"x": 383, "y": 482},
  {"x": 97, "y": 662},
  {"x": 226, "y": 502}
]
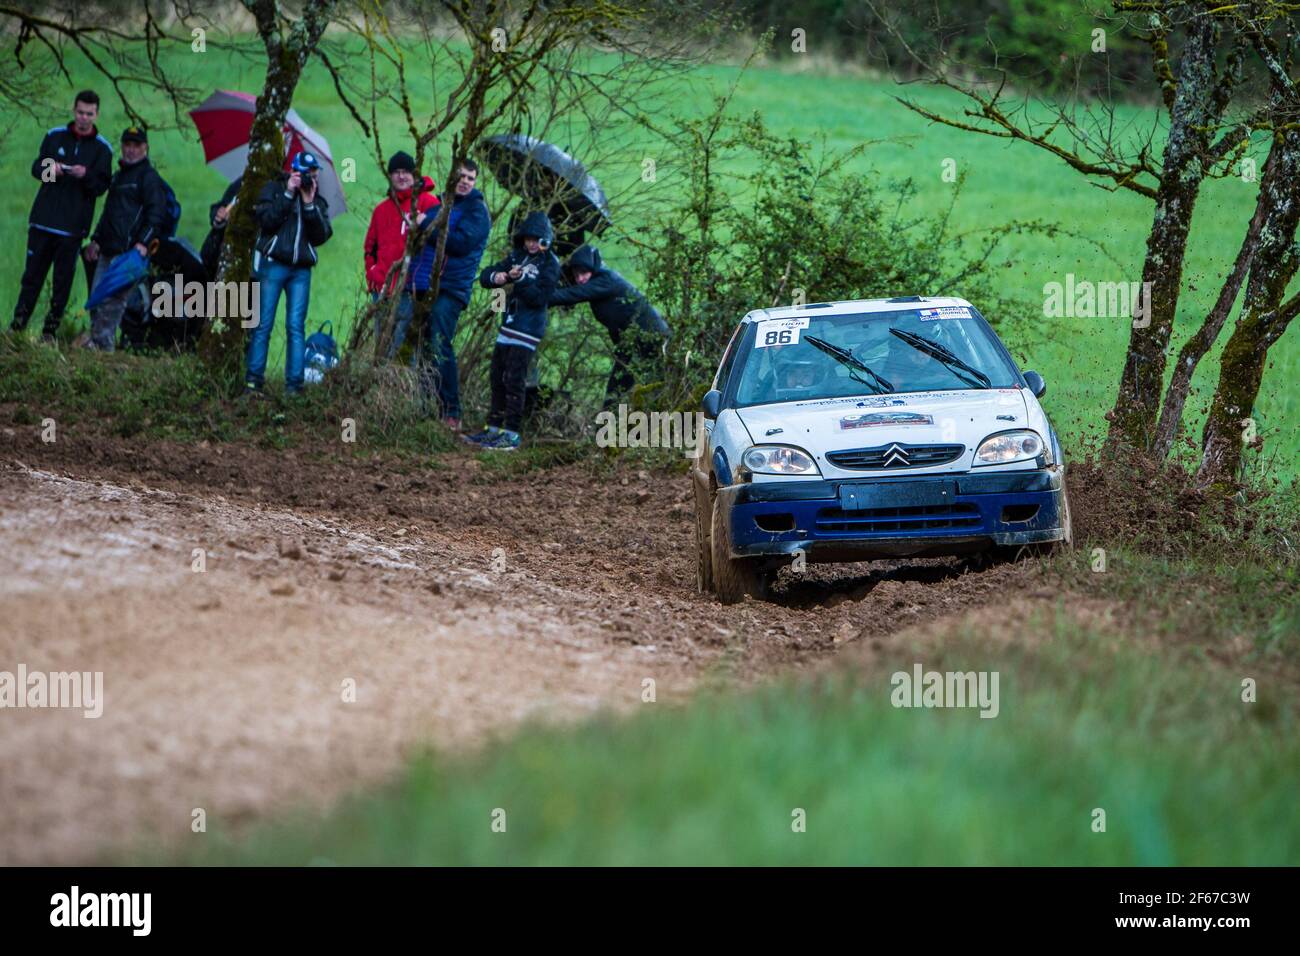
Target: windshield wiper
[
  {"x": 939, "y": 353},
  {"x": 847, "y": 358}
]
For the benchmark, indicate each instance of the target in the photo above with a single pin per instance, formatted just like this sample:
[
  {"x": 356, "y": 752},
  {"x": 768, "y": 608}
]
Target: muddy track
[{"x": 459, "y": 604}]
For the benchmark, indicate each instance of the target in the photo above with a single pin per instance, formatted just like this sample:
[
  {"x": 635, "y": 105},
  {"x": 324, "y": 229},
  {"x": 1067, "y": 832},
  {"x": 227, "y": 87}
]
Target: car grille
[
  {"x": 895, "y": 455},
  {"x": 912, "y": 518}
]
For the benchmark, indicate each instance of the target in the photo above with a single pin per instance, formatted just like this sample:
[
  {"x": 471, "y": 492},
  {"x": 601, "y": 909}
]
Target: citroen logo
[{"x": 895, "y": 455}]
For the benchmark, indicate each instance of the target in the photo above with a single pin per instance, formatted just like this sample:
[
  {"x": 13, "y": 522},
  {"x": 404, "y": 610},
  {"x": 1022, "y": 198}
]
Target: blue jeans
[
  {"x": 405, "y": 309},
  {"x": 440, "y": 331},
  {"x": 295, "y": 282}
]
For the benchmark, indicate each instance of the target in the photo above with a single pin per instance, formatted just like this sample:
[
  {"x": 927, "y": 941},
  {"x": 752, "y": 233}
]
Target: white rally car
[{"x": 880, "y": 428}]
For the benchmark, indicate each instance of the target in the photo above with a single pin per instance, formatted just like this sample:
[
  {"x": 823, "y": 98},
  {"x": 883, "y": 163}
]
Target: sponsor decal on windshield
[
  {"x": 946, "y": 312},
  {"x": 874, "y": 419}
]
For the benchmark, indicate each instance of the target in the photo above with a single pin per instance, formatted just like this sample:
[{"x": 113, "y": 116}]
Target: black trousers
[
  {"x": 43, "y": 250},
  {"x": 509, "y": 374},
  {"x": 632, "y": 347}
]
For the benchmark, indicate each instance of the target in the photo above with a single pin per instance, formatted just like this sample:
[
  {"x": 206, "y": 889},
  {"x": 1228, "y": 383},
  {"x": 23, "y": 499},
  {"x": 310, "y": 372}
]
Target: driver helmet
[{"x": 797, "y": 373}]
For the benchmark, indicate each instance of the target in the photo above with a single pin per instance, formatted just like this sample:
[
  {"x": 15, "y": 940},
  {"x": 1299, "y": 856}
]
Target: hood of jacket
[
  {"x": 534, "y": 224},
  {"x": 585, "y": 257}
]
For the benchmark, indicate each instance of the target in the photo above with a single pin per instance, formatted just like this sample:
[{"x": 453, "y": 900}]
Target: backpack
[
  {"x": 321, "y": 352},
  {"x": 173, "y": 219}
]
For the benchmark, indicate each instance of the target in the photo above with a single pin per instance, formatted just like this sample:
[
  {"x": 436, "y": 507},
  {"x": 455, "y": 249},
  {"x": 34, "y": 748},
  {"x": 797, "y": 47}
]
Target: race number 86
[{"x": 778, "y": 337}]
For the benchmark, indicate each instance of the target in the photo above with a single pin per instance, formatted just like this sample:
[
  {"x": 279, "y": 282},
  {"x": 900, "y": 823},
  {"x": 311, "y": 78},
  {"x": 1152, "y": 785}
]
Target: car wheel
[
  {"x": 733, "y": 578},
  {"x": 703, "y": 549}
]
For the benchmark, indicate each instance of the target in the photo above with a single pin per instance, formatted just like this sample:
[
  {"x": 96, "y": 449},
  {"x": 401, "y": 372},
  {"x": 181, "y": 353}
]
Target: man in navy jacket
[
  {"x": 468, "y": 225},
  {"x": 74, "y": 168}
]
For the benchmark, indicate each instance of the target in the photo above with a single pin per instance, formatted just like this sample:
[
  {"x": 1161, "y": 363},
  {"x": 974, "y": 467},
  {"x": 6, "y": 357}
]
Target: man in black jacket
[
  {"x": 634, "y": 325},
  {"x": 135, "y": 213},
  {"x": 295, "y": 220},
  {"x": 73, "y": 168}
]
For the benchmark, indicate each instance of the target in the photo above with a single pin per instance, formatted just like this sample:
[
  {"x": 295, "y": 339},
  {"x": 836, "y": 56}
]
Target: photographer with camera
[{"x": 295, "y": 220}]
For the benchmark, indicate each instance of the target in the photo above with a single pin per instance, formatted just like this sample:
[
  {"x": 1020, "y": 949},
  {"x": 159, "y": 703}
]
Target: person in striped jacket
[{"x": 532, "y": 273}]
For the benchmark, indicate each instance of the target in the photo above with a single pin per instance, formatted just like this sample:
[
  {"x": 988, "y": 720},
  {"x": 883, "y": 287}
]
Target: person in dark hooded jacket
[
  {"x": 532, "y": 271},
  {"x": 634, "y": 325},
  {"x": 295, "y": 220}
]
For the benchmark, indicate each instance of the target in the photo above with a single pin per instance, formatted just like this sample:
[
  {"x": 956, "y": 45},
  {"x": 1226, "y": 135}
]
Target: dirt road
[{"x": 347, "y": 614}]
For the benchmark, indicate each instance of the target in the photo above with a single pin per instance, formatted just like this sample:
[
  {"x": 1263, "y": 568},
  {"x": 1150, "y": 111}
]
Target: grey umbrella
[{"x": 547, "y": 176}]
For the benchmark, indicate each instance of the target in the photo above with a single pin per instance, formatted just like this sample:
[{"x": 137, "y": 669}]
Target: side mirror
[
  {"x": 712, "y": 403},
  {"x": 1036, "y": 384}
]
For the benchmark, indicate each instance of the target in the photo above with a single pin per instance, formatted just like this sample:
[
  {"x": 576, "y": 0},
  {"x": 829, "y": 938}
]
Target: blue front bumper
[{"x": 918, "y": 516}]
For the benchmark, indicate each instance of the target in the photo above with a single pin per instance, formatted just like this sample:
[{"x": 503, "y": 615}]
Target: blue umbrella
[{"x": 122, "y": 273}]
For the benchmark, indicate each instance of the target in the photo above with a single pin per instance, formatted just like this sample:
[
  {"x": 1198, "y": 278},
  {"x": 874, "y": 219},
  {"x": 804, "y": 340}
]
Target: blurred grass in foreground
[{"x": 1186, "y": 772}]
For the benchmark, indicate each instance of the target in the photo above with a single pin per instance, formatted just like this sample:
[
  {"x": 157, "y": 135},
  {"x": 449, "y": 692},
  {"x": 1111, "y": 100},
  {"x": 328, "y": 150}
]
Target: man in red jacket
[{"x": 386, "y": 239}]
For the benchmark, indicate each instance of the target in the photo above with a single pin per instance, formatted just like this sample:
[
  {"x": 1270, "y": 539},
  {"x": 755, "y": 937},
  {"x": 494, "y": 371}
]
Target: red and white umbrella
[{"x": 225, "y": 124}]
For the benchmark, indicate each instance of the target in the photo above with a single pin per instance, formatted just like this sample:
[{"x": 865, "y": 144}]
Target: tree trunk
[
  {"x": 1171, "y": 413},
  {"x": 1137, "y": 404},
  {"x": 222, "y": 341},
  {"x": 1229, "y": 427},
  {"x": 286, "y": 54}
]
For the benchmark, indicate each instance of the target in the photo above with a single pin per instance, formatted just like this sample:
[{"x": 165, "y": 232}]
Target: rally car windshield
[{"x": 835, "y": 356}]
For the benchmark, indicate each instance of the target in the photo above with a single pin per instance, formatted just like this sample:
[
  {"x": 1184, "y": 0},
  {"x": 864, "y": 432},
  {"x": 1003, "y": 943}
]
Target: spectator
[
  {"x": 532, "y": 271},
  {"x": 74, "y": 167},
  {"x": 294, "y": 219},
  {"x": 135, "y": 213},
  {"x": 468, "y": 226},
  {"x": 218, "y": 219},
  {"x": 634, "y": 325},
  {"x": 385, "y": 242}
]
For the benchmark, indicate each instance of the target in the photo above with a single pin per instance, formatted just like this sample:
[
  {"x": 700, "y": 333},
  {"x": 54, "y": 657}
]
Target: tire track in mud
[{"x": 461, "y": 603}]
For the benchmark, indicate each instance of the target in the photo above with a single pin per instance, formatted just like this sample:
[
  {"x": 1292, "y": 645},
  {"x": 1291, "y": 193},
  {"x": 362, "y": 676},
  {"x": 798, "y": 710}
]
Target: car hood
[{"x": 963, "y": 416}]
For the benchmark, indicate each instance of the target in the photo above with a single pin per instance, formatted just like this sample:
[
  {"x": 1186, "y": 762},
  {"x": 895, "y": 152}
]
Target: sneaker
[
  {"x": 479, "y": 438},
  {"x": 252, "y": 392},
  {"x": 504, "y": 441},
  {"x": 452, "y": 424}
]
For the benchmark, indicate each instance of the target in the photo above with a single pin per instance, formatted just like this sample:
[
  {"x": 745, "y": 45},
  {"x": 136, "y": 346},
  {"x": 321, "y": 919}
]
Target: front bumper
[{"x": 919, "y": 516}]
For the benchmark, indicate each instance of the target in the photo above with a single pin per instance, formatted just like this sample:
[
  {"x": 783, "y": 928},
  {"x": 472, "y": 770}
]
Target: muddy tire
[
  {"x": 733, "y": 578},
  {"x": 703, "y": 549}
]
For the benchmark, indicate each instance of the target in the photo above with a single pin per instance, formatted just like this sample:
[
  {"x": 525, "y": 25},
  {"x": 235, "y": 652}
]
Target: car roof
[{"x": 846, "y": 306}]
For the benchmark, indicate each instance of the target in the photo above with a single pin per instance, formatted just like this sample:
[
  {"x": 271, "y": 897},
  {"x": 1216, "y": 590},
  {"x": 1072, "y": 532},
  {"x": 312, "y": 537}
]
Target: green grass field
[{"x": 1080, "y": 358}]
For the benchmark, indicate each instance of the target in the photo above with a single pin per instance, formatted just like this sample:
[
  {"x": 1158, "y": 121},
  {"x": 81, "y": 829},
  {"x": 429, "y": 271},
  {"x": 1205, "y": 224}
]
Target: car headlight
[
  {"x": 1007, "y": 447},
  {"x": 779, "y": 460}
]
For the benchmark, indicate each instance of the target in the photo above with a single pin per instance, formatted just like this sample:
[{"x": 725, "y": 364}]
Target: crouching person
[
  {"x": 135, "y": 212},
  {"x": 532, "y": 271},
  {"x": 294, "y": 219},
  {"x": 634, "y": 325}
]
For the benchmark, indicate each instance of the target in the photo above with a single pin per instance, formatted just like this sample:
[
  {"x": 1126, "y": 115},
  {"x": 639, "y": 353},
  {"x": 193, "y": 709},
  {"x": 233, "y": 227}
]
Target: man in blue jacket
[
  {"x": 468, "y": 226},
  {"x": 295, "y": 220},
  {"x": 74, "y": 168},
  {"x": 532, "y": 272}
]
